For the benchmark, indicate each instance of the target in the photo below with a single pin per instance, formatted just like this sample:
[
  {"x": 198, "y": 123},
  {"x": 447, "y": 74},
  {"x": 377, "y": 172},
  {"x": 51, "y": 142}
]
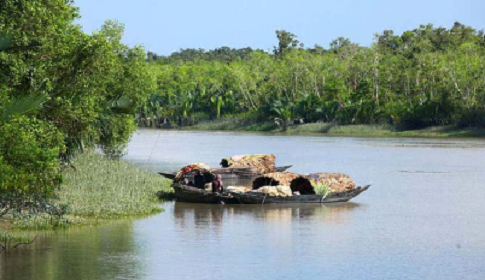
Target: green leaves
[
  {"x": 283, "y": 109},
  {"x": 21, "y": 106},
  {"x": 61, "y": 87},
  {"x": 29, "y": 156},
  {"x": 5, "y": 41},
  {"x": 425, "y": 76}
]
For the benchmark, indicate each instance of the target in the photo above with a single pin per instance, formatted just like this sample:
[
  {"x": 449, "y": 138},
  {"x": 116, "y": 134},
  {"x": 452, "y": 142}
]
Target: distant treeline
[{"x": 426, "y": 76}]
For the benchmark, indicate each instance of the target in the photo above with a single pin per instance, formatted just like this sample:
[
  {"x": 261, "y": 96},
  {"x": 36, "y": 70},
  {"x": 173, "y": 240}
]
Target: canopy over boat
[{"x": 198, "y": 166}]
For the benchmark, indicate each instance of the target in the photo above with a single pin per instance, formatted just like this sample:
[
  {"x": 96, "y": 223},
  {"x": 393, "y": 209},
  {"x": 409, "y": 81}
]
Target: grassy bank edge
[
  {"x": 96, "y": 190},
  {"x": 340, "y": 130}
]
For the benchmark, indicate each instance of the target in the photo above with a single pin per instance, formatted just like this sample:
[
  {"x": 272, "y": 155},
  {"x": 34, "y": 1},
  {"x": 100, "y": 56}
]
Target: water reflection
[
  {"x": 188, "y": 215},
  {"x": 106, "y": 252}
]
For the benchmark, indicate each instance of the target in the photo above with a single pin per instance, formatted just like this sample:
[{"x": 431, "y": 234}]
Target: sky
[{"x": 164, "y": 26}]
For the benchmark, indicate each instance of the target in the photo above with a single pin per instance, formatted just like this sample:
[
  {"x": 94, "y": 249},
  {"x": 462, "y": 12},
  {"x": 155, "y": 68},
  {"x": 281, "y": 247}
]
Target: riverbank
[
  {"x": 96, "y": 190},
  {"x": 340, "y": 130}
]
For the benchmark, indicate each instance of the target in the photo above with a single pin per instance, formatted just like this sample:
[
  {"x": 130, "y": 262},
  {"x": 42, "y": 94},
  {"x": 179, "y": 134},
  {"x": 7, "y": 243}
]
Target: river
[{"x": 423, "y": 217}]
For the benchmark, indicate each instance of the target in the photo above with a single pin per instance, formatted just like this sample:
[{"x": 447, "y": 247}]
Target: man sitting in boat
[
  {"x": 199, "y": 180},
  {"x": 224, "y": 163},
  {"x": 217, "y": 184}
]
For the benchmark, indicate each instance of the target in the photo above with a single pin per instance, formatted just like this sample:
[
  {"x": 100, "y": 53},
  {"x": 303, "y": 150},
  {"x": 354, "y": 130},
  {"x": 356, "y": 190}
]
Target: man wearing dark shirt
[{"x": 199, "y": 180}]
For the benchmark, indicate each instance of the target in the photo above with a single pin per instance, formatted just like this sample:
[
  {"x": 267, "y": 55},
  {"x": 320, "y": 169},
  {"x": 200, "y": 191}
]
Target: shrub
[
  {"x": 29, "y": 157},
  {"x": 115, "y": 132}
]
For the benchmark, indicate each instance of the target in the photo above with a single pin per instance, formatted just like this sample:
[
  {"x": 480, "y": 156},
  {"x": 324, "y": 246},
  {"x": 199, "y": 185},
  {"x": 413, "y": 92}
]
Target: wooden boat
[
  {"x": 283, "y": 168},
  {"x": 261, "y": 198},
  {"x": 195, "y": 195},
  {"x": 170, "y": 175},
  {"x": 232, "y": 173},
  {"x": 185, "y": 193}
]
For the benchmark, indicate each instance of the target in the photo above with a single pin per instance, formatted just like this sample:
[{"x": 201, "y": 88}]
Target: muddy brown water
[{"x": 423, "y": 218}]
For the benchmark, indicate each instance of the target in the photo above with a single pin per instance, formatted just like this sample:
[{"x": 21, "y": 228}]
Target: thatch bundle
[
  {"x": 284, "y": 178},
  {"x": 275, "y": 190},
  {"x": 336, "y": 182},
  {"x": 263, "y": 163},
  {"x": 238, "y": 172},
  {"x": 237, "y": 189}
]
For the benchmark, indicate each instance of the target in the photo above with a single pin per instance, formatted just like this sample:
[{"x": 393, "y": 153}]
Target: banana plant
[
  {"x": 21, "y": 106},
  {"x": 222, "y": 99},
  {"x": 283, "y": 110},
  {"x": 217, "y": 103},
  {"x": 184, "y": 103},
  {"x": 308, "y": 105}
]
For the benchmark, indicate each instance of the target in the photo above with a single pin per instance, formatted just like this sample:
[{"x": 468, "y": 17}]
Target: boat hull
[
  {"x": 261, "y": 198},
  {"x": 195, "y": 195}
]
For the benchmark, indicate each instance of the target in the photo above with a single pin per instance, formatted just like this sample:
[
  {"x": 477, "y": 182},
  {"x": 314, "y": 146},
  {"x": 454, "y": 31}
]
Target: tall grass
[
  {"x": 99, "y": 189},
  {"x": 105, "y": 188},
  {"x": 368, "y": 130},
  {"x": 227, "y": 124},
  {"x": 221, "y": 124}
]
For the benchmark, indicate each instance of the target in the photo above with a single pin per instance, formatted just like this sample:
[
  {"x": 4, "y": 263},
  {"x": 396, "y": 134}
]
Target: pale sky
[{"x": 167, "y": 26}]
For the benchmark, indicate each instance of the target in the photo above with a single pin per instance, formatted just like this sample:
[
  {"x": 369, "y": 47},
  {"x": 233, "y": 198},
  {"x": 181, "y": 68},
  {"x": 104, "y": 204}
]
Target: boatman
[
  {"x": 217, "y": 185},
  {"x": 199, "y": 181}
]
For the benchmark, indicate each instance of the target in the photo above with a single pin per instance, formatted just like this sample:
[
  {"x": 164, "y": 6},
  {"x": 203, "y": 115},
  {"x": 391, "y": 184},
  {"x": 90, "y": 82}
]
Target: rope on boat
[
  {"x": 153, "y": 149},
  {"x": 323, "y": 197},
  {"x": 265, "y": 195}
]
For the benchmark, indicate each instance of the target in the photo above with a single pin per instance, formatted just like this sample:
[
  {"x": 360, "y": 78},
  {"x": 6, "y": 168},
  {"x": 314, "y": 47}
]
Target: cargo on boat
[
  {"x": 193, "y": 184},
  {"x": 231, "y": 172},
  {"x": 276, "y": 187},
  {"x": 241, "y": 167},
  {"x": 261, "y": 163},
  {"x": 285, "y": 187}
]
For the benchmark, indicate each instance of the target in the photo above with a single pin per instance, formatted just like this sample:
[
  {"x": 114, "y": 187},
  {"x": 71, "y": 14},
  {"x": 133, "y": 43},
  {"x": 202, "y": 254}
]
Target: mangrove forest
[{"x": 423, "y": 77}]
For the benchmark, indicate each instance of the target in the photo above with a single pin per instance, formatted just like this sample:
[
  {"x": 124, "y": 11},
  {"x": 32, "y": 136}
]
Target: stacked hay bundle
[
  {"x": 237, "y": 189},
  {"x": 275, "y": 190},
  {"x": 336, "y": 182},
  {"x": 333, "y": 182},
  {"x": 284, "y": 178},
  {"x": 263, "y": 163}
]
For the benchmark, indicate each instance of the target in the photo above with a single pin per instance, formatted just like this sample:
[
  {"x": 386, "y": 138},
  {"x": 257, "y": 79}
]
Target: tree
[
  {"x": 286, "y": 42},
  {"x": 425, "y": 76}
]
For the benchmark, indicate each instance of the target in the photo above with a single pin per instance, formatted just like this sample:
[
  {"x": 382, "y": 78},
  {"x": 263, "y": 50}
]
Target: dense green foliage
[
  {"x": 224, "y": 54},
  {"x": 427, "y": 76},
  {"x": 29, "y": 156},
  {"x": 62, "y": 90}
]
